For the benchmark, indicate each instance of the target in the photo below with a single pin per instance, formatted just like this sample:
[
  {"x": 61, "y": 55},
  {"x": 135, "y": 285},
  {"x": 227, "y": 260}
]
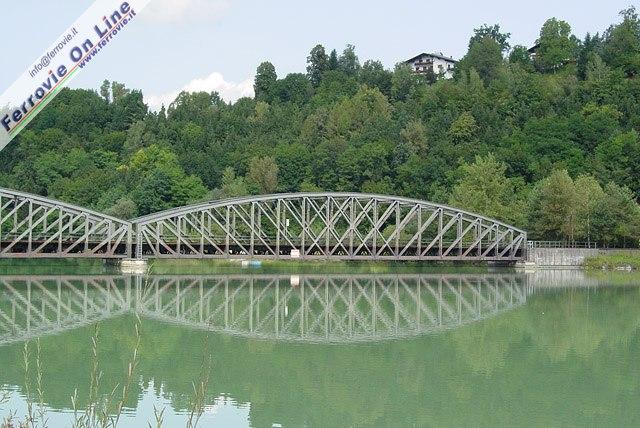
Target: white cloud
[
  {"x": 179, "y": 11},
  {"x": 215, "y": 82}
]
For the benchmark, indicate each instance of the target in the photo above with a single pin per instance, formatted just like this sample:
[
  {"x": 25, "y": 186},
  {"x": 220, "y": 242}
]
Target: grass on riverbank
[
  {"x": 208, "y": 266},
  {"x": 615, "y": 261},
  {"x": 42, "y": 266}
]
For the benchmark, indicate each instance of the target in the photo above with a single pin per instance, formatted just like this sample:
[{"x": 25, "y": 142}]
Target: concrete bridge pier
[{"x": 134, "y": 266}]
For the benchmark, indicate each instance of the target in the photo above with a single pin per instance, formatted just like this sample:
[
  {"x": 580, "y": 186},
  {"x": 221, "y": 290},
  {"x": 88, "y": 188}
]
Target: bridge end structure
[{"x": 37, "y": 227}]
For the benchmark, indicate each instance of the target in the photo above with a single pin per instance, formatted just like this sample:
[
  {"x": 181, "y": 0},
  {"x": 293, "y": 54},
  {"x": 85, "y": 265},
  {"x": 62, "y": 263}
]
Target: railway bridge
[{"x": 340, "y": 226}]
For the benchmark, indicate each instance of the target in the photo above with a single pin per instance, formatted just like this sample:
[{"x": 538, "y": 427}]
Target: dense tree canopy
[
  {"x": 493, "y": 32},
  {"x": 514, "y": 135}
]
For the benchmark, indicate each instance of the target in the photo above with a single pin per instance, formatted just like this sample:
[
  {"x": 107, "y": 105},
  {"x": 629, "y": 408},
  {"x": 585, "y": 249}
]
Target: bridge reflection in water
[{"x": 313, "y": 308}]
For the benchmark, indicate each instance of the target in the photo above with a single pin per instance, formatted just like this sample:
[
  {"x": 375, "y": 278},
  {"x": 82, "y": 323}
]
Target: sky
[{"x": 217, "y": 44}]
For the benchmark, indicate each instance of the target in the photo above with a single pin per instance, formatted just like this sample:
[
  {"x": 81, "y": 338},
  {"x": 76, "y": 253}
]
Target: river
[{"x": 341, "y": 349}]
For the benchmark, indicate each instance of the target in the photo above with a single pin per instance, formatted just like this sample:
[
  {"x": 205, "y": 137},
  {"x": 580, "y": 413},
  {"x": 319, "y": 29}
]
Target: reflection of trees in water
[{"x": 526, "y": 366}]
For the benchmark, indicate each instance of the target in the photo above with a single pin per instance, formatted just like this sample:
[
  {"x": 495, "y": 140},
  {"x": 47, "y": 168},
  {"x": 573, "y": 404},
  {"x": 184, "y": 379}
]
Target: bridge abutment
[
  {"x": 134, "y": 266},
  {"x": 559, "y": 258}
]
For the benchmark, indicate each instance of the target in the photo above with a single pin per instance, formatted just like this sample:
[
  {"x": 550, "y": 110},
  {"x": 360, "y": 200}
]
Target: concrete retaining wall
[
  {"x": 560, "y": 257},
  {"x": 570, "y": 257}
]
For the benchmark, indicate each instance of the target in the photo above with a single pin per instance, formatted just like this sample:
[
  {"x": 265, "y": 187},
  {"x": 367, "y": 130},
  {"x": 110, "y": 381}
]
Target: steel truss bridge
[
  {"x": 345, "y": 226},
  {"x": 304, "y": 308}
]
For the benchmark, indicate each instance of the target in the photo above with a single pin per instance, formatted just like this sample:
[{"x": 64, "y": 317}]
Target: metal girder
[
  {"x": 345, "y": 226},
  {"x": 310, "y": 308},
  {"x": 33, "y": 226}
]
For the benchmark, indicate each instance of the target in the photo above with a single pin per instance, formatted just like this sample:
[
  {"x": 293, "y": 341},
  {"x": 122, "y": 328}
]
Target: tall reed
[
  {"x": 102, "y": 410},
  {"x": 197, "y": 401}
]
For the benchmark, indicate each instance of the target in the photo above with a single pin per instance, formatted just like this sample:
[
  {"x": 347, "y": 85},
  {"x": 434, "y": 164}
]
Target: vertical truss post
[
  {"x": 329, "y": 225},
  {"x": 419, "y": 231},
  {"x": 60, "y": 228},
  {"x": 440, "y": 227},
  {"x": 278, "y": 227},
  {"x": 139, "y": 249},
  {"x": 15, "y": 215},
  {"x": 128, "y": 241},
  {"x": 460, "y": 235},
  {"x": 227, "y": 232},
  {"x": 110, "y": 233},
  {"x": 352, "y": 225},
  {"x": 480, "y": 228},
  {"x": 303, "y": 225},
  {"x": 396, "y": 250},
  {"x": 179, "y": 235},
  {"x": 253, "y": 229},
  {"x": 159, "y": 229},
  {"x": 203, "y": 230},
  {"x": 30, "y": 242},
  {"x": 375, "y": 229}
]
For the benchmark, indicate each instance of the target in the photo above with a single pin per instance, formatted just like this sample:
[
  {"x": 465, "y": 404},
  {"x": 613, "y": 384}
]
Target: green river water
[{"x": 268, "y": 349}]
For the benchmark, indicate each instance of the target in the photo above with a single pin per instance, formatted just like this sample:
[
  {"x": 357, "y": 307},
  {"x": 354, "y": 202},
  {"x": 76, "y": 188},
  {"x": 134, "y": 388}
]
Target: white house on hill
[{"x": 438, "y": 63}]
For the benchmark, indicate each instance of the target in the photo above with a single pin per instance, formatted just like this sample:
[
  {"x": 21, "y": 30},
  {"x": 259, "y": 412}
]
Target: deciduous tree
[
  {"x": 483, "y": 188},
  {"x": 263, "y": 173},
  {"x": 317, "y": 64},
  {"x": 493, "y": 32},
  {"x": 556, "y": 45},
  {"x": 265, "y": 82}
]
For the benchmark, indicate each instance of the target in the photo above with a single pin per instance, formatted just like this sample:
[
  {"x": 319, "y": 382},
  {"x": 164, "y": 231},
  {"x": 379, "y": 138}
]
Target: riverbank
[
  {"x": 209, "y": 266},
  {"x": 629, "y": 261},
  {"x": 41, "y": 266}
]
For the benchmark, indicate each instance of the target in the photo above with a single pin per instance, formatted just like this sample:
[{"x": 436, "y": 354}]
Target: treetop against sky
[
  {"x": 241, "y": 34},
  {"x": 549, "y": 144}
]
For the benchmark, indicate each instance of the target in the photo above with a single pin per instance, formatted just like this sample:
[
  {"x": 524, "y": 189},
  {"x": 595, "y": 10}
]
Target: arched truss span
[
  {"x": 345, "y": 226},
  {"x": 34, "y": 226}
]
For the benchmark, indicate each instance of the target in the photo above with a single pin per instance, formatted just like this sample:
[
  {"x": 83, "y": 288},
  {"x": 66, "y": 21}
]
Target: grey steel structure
[
  {"x": 33, "y": 226},
  {"x": 346, "y": 226},
  {"x": 304, "y": 308}
]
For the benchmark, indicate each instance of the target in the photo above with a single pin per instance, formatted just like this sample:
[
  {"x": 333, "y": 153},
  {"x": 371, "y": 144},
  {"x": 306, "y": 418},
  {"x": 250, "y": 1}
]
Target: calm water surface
[{"x": 553, "y": 348}]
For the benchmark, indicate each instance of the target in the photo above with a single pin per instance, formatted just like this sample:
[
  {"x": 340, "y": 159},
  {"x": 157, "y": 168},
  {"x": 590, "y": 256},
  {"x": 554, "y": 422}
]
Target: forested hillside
[{"x": 547, "y": 142}]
